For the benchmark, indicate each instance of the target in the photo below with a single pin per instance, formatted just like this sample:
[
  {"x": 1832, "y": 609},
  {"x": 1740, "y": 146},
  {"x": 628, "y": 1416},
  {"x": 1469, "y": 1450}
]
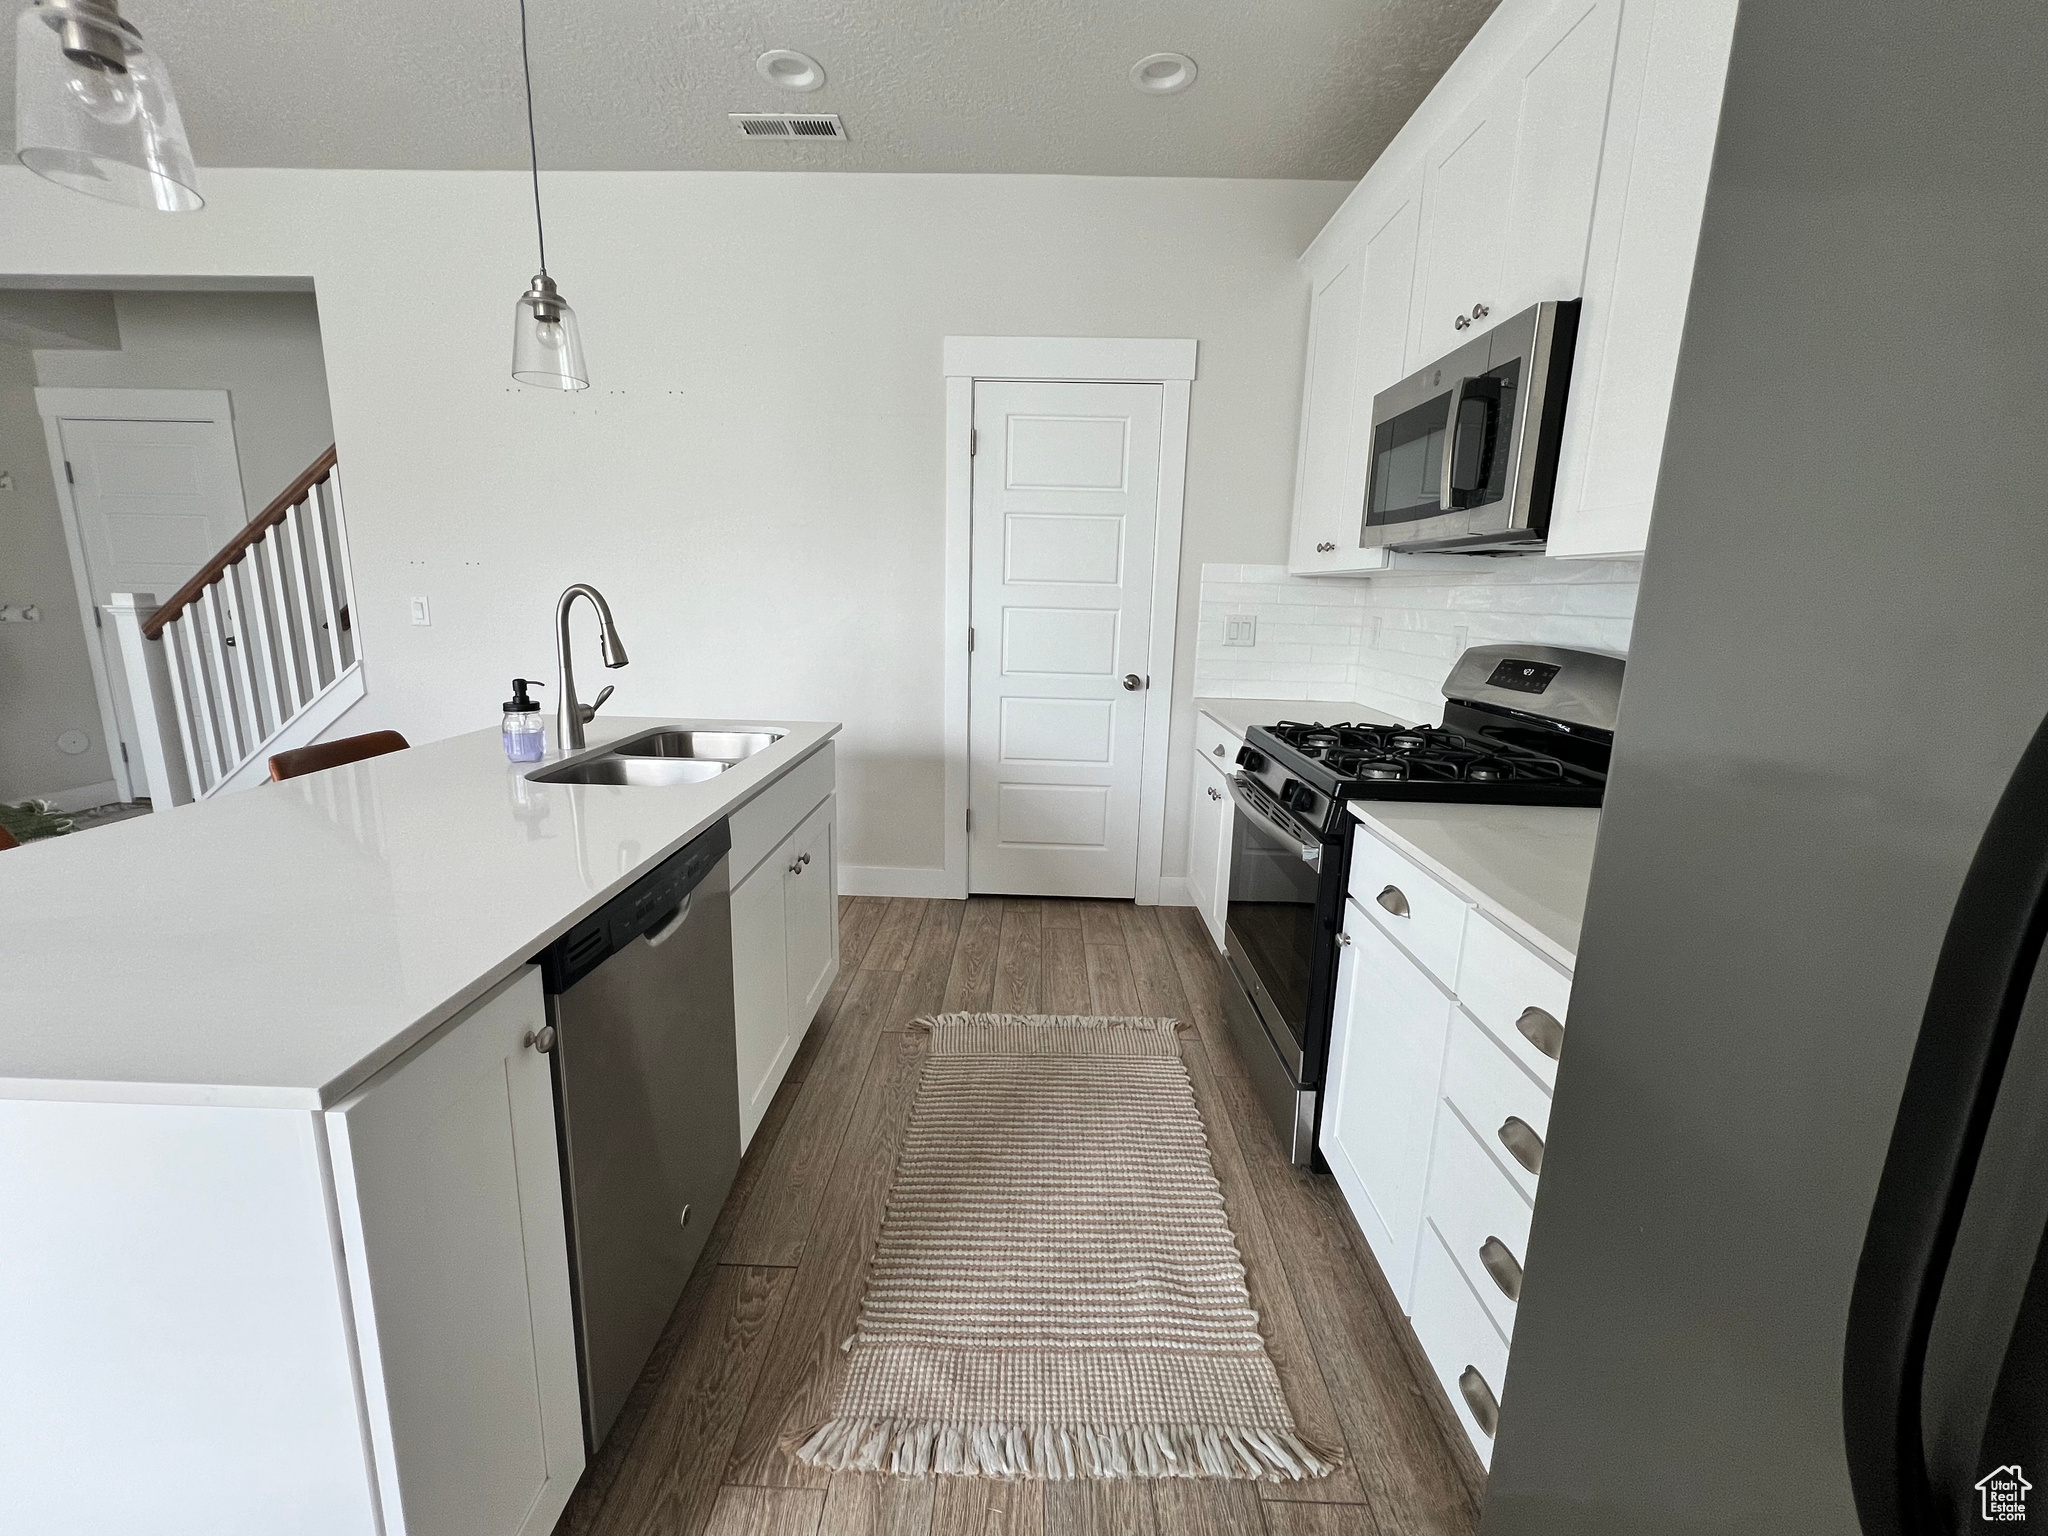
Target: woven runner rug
[{"x": 1056, "y": 1292}]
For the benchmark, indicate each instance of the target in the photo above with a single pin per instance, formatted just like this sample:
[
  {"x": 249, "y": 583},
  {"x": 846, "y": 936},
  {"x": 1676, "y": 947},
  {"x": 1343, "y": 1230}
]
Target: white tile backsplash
[{"x": 1389, "y": 640}]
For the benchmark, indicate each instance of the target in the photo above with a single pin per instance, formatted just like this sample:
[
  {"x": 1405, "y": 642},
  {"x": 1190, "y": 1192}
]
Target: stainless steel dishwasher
[{"x": 647, "y": 1102}]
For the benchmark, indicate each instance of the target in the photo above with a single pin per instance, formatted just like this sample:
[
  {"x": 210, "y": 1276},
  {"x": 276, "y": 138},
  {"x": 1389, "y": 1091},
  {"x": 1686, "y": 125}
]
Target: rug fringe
[
  {"x": 1061, "y": 1453},
  {"x": 1163, "y": 1026}
]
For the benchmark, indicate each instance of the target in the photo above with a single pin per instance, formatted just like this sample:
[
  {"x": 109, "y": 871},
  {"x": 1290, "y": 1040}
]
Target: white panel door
[
  {"x": 1066, "y": 507},
  {"x": 1388, "y": 1039},
  {"x": 449, "y": 1184},
  {"x": 155, "y": 500}
]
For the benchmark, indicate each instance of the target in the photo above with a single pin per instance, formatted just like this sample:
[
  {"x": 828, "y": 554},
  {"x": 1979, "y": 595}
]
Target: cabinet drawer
[
  {"x": 774, "y": 813},
  {"x": 1216, "y": 744},
  {"x": 1481, "y": 1216},
  {"x": 1467, "y": 1351},
  {"x": 1423, "y": 914},
  {"x": 1506, "y": 1108},
  {"x": 1516, "y": 993}
]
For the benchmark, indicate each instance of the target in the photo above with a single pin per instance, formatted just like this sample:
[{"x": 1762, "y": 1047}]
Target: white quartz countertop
[
  {"x": 278, "y": 946},
  {"x": 1525, "y": 865},
  {"x": 1239, "y": 715}
]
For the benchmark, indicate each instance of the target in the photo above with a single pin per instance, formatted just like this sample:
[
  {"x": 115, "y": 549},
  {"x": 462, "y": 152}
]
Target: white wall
[
  {"x": 262, "y": 348},
  {"x": 45, "y": 675},
  {"x": 1389, "y": 641},
  {"x": 756, "y": 478}
]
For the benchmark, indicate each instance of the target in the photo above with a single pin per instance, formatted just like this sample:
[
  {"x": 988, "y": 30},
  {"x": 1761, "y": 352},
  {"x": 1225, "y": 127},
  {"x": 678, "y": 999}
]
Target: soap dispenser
[{"x": 526, "y": 735}]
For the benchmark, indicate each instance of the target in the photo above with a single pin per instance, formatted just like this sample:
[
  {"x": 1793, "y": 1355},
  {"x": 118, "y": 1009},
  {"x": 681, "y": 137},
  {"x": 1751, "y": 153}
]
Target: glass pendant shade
[
  {"x": 93, "y": 109},
  {"x": 547, "y": 352}
]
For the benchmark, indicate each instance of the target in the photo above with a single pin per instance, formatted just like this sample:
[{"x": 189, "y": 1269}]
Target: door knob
[{"x": 1133, "y": 682}]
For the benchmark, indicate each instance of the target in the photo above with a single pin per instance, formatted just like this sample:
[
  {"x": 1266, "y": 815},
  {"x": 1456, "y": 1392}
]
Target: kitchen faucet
[{"x": 570, "y": 715}]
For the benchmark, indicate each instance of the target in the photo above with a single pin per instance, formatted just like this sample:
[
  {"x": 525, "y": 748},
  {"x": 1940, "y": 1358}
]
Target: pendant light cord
[{"x": 532, "y": 144}]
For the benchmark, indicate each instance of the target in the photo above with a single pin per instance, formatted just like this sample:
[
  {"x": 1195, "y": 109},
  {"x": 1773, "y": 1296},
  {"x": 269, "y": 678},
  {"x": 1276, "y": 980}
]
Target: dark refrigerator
[{"x": 1840, "y": 659}]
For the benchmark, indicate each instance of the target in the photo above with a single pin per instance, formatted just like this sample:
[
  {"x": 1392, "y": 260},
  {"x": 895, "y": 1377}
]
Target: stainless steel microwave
[{"x": 1464, "y": 453}]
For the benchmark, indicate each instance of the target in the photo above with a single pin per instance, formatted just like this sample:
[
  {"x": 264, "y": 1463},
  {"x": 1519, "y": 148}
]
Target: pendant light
[
  {"x": 547, "y": 352},
  {"x": 93, "y": 109}
]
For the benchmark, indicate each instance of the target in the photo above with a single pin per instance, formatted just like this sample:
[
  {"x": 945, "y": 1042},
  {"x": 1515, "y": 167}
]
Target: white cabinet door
[
  {"x": 1386, "y": 1068},
  {"x": 1672, "y": 66},
  {"x": 449, "y": 1188},
  {"x": 1209, "y": 822},
  {"x": 1467, "y": 172},
  {"x": 1559, "y": 89},
  {"x": 1509, "y": 195},
  {"x": 1385, "y": 305},
  {"x": 760, "y": 988},
  {"x": 810, "y": 917},
  {"x": 1323, "y": 461}
]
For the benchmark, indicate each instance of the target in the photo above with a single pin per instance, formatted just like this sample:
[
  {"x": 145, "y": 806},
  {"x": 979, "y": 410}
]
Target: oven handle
[{"x": 1311, "y": 850}]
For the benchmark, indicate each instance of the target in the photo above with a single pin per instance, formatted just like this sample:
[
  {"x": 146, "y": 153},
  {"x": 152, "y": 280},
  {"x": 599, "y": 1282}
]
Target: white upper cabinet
[
  {"x": 1564, "y": 155},
  {"x": 1321, "y": 471},
  {"x": 1673, "y": 61}
]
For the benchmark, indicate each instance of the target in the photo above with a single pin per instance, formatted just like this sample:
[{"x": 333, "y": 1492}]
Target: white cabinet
[
  {"x": 448, "y": 1189},
  {"x": 1646, "y": 227},
  {"x": 1573, "y": 166},
  {"x": 785, "y": 929},
  {"x": 1210, "y": 820},
  {"x": 1386, "y": 1065}
]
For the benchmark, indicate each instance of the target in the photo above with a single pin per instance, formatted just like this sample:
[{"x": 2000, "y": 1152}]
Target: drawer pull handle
[
  {"x": 1392, "y": 899},
  {"x": 1218, "y": 749},
  {"x": 1522, "y": 1142},
  {"x": 1501, "y": 1265},
  {"x": 542, "y": 1039},
  {"x": 1540, "y": 1027},
  {"x": 1480, "y": 1399}
]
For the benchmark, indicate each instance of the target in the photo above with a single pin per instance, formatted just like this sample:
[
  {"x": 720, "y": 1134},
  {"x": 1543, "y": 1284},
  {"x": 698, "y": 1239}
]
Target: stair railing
[{"x": 254, "y": 652}]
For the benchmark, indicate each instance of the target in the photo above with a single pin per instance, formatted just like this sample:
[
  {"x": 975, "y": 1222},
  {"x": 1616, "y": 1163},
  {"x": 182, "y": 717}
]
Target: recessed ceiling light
[
  {"x": 791, "y": 70},
  {"x": 1161, "y": 74}
]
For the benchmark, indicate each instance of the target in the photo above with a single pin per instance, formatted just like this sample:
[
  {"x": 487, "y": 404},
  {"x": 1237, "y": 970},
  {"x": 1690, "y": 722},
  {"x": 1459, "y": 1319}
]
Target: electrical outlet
[
  {"x": 1377, "y": 621},
  {"x": 1240, "y": 629},
  {"x": 420, "y": 613},
  {"x": 6, "y": 479},
  {"x": 1459, "y": 635}
]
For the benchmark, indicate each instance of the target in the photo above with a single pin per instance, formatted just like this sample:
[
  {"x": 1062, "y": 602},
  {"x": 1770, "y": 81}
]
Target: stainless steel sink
[
  {"x": 650, "y": 771},
  {"x": 721, "y": 746},
  {"x": 661, "y": 757}
]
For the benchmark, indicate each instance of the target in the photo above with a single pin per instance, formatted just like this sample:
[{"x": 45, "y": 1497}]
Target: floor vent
[{"x": 789, "y": 125}]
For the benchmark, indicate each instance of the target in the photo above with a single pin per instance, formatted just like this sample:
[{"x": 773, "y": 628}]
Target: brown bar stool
[
  {"x": 7, "y": 839},
  {"x": 332, "y": 754}
]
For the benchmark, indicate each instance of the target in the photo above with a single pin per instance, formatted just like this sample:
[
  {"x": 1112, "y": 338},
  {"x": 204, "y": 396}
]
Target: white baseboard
[
  {"x": 1174, "y": 892},
  {"x": 84, "y": 798},
  {"x": 894, "y": 880}
]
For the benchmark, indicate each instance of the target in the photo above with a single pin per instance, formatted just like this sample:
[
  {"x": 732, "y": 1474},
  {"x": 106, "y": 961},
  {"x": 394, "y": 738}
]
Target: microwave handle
[
  {"x": 1465, "y": 389},
  {"x": 1443, "y": 483}
]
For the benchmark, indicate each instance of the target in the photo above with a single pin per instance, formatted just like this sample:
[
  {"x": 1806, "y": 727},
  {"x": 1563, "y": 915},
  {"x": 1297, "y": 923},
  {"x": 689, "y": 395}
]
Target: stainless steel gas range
[{"x": 1523, "y": 725}]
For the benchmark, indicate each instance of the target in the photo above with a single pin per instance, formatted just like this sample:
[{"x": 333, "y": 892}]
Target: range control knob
[
  {"x": 1251, "y": 759},
  {"x": 1297, "y": 796}
]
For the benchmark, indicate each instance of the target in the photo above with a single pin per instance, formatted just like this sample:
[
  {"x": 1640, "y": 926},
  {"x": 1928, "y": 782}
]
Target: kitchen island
[{"x": 278, "y": 1162}]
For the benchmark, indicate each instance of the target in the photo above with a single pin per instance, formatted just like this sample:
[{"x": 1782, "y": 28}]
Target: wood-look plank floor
[{"x": 752, "y": 1349}]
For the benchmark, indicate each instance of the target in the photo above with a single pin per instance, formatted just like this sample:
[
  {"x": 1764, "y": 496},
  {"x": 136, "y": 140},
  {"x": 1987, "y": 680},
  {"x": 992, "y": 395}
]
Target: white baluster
[
  {"x": 309, "y": 616},
  {"x": 315, "y": 512},
  {"x": 149, "y": 688},
  {"x": 287, "y": 634},
  {"x": 262, "y": 627},
  {"x": 188, "y": 725},
  {"x": 192, "y": 626},
  {"x": 244, "y": 648},
  {"x": 234, "y": 737},
  {"x": 348, "y": 575}
]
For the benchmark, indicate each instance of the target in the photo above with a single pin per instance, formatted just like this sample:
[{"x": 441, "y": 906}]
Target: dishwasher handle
[{"x": 662, "y": 932}]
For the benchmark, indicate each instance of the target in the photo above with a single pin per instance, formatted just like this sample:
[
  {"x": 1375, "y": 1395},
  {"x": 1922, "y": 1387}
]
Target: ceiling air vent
[{"x": 789, "y": 125}]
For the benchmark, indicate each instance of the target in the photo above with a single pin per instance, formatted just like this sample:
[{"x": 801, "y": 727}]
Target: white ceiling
[{"x": 1297, "y": 88}]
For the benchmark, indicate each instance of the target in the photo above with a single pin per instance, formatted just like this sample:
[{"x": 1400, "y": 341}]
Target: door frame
[
  {"x": 969, "y": 360},
  {"x": 57, "y": 404}
]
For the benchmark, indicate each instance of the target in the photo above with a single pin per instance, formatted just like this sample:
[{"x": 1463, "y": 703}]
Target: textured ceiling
[{"x": 1298, "y": 88}]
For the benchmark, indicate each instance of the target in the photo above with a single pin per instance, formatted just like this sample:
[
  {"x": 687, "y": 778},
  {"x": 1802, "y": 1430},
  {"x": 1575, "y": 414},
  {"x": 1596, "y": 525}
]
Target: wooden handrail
[{"x": 238, "y": 546}]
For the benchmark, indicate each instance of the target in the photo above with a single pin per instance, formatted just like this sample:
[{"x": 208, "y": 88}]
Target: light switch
[
  {"x": 420, "y": 615},
  {"x": 1240, "y": 629}
]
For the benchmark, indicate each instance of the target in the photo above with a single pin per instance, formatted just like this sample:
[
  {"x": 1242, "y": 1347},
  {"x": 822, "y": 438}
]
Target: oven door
[{"x": 1274, "y": 926}]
